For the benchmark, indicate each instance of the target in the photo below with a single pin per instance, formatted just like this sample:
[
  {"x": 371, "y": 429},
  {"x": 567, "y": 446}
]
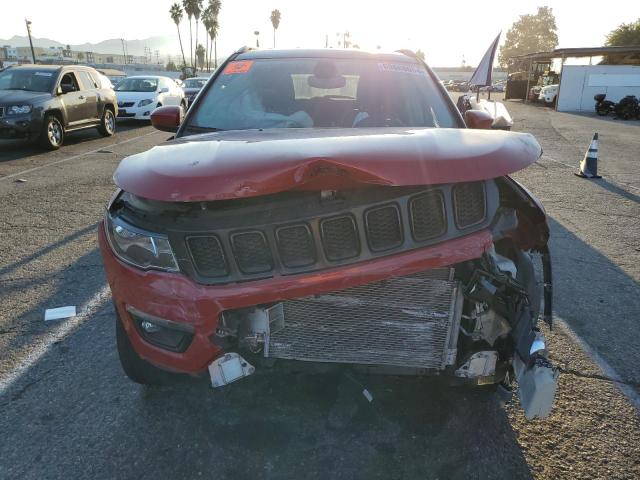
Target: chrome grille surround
[{"x": 407, "y": 321}]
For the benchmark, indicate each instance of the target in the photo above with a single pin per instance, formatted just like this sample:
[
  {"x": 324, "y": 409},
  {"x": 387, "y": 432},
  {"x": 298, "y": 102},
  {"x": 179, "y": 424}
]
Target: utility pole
[
  {"x": 33, "y": 53},
  {"x": 256, "y": 33},
  {"x": 124, "y": 51}
]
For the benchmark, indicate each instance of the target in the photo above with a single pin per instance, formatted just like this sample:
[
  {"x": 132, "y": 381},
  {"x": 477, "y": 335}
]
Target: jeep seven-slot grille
[
  {"x": 252, "y": 252},
  {"x": 326, "y": 240},
  {"x": 384, "y": 230},
  {"x": 469, "y": 204},
  {"x": 295, "y": 245},
  {"x": 428, "y": 218},
  {"x": 208, "y": 255},
  {"x": 340, "y": 238}
]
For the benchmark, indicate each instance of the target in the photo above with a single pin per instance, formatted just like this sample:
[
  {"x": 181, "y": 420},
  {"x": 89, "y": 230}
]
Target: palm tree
[
  {"x": 188, "y": 9},
  {"x": 214, "y": 7},
  {"x": 207, "y": 19},
  {"x": 275, "y": 21},
  {"x": 213, "y": 33},
  {"x": 176, "y": 15},
  {"x": 197, "y": 10},
  {"x": 200, "y": 52}
]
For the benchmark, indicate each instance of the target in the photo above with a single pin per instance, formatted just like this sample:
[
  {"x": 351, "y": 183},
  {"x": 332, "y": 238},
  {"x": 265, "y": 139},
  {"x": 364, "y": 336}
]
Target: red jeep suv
[{"x": 330, "y": 206}]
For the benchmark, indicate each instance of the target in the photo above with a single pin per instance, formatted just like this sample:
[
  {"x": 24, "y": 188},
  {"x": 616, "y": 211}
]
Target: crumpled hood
[{"x": 246, "y": 163}]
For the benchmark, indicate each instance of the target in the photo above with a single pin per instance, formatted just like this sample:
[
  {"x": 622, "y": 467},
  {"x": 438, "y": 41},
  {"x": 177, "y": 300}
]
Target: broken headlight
[{"x": 140, "y": 248}]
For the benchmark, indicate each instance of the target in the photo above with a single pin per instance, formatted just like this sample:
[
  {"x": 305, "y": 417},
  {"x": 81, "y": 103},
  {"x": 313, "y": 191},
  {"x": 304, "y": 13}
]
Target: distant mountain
[{"x": 165, "y": 45}]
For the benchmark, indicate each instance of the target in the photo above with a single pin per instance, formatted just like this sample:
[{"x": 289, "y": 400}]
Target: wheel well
[
  {"x": 110, "y": 107},
  {"x": 57, "y": 113}
]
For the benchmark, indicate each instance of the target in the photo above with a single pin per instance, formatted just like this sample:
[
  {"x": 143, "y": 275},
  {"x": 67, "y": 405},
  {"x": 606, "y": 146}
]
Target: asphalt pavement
[{"x": 69, "y": 411}]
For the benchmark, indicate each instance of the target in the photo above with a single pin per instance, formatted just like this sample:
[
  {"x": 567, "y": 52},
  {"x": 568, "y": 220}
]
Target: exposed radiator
[{"x": 406, "y": 321}]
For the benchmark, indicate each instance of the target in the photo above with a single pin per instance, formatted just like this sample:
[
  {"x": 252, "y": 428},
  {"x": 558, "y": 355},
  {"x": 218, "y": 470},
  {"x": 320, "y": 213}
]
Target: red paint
[
  {"x": 478, "y": 119},
  {"x": 176, "y": 297},
  {"x": 166, "y": 118},
  {"x": 234, "y": 164}
]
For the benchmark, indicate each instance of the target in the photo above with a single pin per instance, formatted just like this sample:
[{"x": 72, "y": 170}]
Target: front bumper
[
  {"x": 16, "y": 127},
  {"x": 136, "y": 113},
  {"x": 177, "y": 298},
  {"x": 547, "y": 97}
]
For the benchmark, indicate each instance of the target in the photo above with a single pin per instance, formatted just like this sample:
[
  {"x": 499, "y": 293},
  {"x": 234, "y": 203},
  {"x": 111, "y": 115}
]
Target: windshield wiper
[{"x": 197, "y": 128}]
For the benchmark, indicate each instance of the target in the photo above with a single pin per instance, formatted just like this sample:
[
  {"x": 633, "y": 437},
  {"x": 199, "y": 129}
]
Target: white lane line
[
  {"x": 607, "y": 369},
  {"x": 63, "y": 160},
  {"x": 44, "y": 343}
]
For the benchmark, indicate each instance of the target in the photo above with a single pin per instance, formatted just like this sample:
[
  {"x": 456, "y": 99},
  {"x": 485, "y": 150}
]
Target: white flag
[{"x": 482, "y": 76}]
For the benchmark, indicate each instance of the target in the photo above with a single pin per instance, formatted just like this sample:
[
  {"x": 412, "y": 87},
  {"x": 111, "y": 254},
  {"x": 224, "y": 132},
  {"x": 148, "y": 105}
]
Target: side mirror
[
  {"x": 478, "y": 119},
  {"x": 163, "y": 90},
  {"x": 167, "y": 119}
]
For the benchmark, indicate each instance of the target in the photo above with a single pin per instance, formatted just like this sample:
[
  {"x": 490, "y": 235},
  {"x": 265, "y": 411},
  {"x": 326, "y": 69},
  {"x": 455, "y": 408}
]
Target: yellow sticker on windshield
[{"x": 242, "y": 66}]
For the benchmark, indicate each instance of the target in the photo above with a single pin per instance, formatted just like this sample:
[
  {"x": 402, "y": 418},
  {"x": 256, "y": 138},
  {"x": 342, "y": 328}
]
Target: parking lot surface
[{"x": 69, "y": 411}]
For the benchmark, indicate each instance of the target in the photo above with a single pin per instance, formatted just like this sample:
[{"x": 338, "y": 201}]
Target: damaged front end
[{"x": 418, "y": 280}]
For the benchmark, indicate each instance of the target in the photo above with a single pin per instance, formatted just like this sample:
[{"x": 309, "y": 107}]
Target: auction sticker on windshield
[
  {"x": 241, "y": 66},
  {"x": 43, "y": 74},
  {"x": 410, "y": 68}
]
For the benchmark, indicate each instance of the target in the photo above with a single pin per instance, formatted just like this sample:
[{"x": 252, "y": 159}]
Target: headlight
[
  {"x": 142, "y": 103},
  {"x": 18, "y": 109},
  {"x": 142, "y": 249}
]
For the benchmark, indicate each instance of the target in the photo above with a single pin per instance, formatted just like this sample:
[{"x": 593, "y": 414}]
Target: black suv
[{"x": 44, "y": 102}]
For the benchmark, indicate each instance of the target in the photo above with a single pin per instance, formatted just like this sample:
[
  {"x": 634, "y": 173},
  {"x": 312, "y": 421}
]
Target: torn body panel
[
  {"x": 296, "y": 270},
  {"x": 239, "y": 164}
]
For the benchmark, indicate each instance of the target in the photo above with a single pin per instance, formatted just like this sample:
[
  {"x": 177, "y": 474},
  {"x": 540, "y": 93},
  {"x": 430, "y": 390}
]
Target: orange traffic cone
[{"x": 589, "y": 164}]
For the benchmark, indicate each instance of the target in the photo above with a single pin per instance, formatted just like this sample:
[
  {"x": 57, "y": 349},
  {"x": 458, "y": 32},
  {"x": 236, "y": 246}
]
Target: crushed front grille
[
  {"x": 469, "y": 203},
  {"x": 404, "y": 321}
]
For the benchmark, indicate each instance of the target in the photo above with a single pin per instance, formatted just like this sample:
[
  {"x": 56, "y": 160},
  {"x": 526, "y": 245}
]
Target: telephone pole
[{"x": 33, "y": 53}]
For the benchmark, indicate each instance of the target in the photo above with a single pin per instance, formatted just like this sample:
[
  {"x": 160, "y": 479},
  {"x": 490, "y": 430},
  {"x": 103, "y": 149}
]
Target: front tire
[
  {"x": 52, "y": 134},
  {"x": 134, "y": 366},
  {"x": 108, "y": 123}
]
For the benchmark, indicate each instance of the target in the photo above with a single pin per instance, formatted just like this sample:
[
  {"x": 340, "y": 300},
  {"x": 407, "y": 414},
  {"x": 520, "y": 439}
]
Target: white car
[
  {"x": 548, "y": 94},
  {"x": 138, "y": 96}
]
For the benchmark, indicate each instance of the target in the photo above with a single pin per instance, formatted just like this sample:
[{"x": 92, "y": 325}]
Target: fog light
[
  {"x": 160, "y": 332},
  {"x": 149, "y": 327}
]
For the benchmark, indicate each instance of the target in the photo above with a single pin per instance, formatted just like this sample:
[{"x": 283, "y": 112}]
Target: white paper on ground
[{"x": 60, "y": 312}]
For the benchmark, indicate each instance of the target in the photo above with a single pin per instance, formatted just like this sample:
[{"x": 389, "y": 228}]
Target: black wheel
[
  {"x": 136, "y": 368},
  {"x": 108, "y": 123},
  {"x": 602, "y": 111},
  {"x": 52, "y": 134}
]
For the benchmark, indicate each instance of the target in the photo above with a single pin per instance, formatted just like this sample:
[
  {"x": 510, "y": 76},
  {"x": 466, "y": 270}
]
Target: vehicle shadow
[
  {"x": 274, "y": 424},
  {"x": 15, "y": 150},
  {"x": 599, "y": 300}
]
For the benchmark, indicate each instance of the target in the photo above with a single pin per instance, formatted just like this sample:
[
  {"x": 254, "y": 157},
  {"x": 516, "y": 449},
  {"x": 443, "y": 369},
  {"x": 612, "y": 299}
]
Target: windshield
[
  {"x": 321, "y": 92},
  {"x": 137, "y": 85},
  {"x": 194, "y": 83},
  {"x": 29, "y": 80}
]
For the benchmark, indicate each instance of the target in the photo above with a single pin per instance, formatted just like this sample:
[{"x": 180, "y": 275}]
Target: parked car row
[{"x": 43, "y": 103}]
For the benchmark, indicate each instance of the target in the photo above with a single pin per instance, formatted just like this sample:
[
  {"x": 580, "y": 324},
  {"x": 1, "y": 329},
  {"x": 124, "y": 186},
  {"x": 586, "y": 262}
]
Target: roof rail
[
  {"x": 243, "y": 49},
  {"x": 407, "y": 52}
]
